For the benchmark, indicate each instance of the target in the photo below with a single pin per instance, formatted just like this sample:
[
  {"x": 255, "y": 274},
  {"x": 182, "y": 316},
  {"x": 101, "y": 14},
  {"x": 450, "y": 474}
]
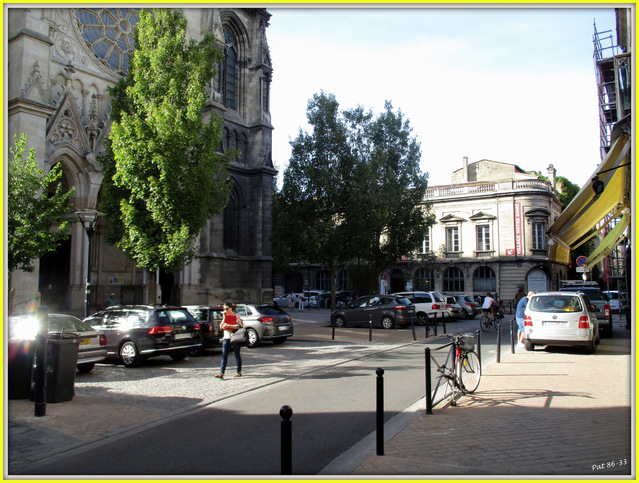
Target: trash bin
[
  {"x": 62, "y": 361},
  {"x": 21, "y": 353}
]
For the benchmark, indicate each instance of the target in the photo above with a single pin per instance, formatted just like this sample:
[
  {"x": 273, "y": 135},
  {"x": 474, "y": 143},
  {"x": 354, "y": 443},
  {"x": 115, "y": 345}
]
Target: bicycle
[
  {"x": 464, "y": 376},
  {"x": 485, "y": 323}
]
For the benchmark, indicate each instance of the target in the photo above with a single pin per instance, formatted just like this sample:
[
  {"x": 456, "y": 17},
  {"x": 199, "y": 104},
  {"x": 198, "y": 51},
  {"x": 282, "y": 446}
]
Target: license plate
[
  {"x": 183, "y": 335},
  {"x": 554, "y": 323},
  {"x": 85, "y": 341},
  {"x": 283, "y": 328}
]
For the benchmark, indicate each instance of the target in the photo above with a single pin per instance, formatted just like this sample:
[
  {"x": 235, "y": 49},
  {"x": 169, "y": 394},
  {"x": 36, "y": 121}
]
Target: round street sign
[{"x": 581, "y": 261}]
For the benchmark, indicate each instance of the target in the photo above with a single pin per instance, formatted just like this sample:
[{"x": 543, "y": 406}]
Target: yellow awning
[
  {"x": 587, "y": 210},
  {"x": 608, "y": 244}
]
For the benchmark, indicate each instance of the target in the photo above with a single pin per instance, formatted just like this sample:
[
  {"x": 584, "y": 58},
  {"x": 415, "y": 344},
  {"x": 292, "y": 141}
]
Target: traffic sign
[
  {"x": 581, "y": 261},
  {"x": 582, "y": 270}
]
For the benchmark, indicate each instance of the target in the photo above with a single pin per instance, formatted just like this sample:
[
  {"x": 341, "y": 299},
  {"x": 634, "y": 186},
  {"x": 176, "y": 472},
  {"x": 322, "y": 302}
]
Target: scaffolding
[{"x": 605, "y": 50}]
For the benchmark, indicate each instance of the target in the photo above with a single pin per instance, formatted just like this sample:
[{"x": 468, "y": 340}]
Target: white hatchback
[{"x": 560, "y": 318}]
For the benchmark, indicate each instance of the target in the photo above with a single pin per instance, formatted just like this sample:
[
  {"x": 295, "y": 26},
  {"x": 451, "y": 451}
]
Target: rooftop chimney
[
  {"x": 552, "y": 173},
  {"x": 465, "y": 170}
]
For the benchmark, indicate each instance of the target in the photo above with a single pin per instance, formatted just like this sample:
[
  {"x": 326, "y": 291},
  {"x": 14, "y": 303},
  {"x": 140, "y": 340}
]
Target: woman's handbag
[{"x": 239, "y": 336}]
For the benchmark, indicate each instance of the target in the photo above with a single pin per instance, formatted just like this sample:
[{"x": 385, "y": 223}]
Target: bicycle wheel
[
  {"x": 484, "y": 323},
  {"x": 470, "y": 371}
]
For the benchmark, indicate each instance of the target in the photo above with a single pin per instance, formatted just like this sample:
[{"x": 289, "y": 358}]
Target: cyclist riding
[{"x": 489, "y": 306}]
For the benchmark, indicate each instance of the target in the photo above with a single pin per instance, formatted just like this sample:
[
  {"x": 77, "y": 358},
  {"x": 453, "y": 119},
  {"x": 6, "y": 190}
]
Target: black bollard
[
  {"x": 370, "y": 327},
  {"x": 426, "y": 325},
  {"x": 498, "y": 342},
  {"x": 435, "y": 323},
  {"x": 412, "y": 327},
  {"x": 333, "y": 324},
  {"x": 380, "y": 411},
  {"x": 512, "y": 336},
  {"x": 429, "y": 383},
  {"x": 287, "y": 440},
  {"x": 40, "y": 382},
  {"x": 444, "y": 322},
  {"x": 479, "y": 346}
]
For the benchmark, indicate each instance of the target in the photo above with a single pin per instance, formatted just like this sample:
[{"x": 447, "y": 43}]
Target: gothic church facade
[{"x": 61, "y": 62}]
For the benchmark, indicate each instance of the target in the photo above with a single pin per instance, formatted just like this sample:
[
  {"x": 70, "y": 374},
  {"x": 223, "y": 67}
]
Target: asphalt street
[{"x": 212, "y": 427}]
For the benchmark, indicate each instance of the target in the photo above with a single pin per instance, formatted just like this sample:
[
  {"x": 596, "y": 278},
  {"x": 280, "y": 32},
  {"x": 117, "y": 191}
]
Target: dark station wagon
[{"x": 136, "y": 332}]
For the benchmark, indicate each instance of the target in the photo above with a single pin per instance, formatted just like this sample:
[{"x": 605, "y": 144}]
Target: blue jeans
[
  {"x": 226, "y": 348},
  {"x": 520, "y": 323}
]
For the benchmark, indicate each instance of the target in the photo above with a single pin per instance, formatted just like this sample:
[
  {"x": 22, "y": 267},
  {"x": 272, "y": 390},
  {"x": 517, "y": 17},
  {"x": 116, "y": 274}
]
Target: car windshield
[{"x": 556, "y": 303}]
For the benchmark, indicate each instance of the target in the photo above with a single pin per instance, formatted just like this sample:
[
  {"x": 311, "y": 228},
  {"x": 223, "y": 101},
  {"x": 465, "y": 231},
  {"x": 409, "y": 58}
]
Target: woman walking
[{"x": 230, "y": 322}]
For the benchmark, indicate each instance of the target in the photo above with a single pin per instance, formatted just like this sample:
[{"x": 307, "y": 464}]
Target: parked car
[
  {"x": 209, "y": 317},
  {"x": 282, "y": 301},
  {"x": 431, "y": 304},
  {"x": 455, "y": 312},
  {"x": 560, "y": 318},
  {"x": 617, "y": 301},
  {"x": 597, "y": 298},
  {"x": 387, "y": 311},
  {"x": 321, "y": 301},
  {"x": 136, "y": 332},
  {"x": 265, "y": 322},
  {"x": 470, "y": 307},
  {"x": 93, "y": 344},
  {"x": 344, "y": 297}
]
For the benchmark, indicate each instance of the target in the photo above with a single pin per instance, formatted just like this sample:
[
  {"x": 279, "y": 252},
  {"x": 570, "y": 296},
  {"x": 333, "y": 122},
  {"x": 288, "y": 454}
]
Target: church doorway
[
  {"x": 53, "y": 280},
  {"x": 170, "y": 293}
]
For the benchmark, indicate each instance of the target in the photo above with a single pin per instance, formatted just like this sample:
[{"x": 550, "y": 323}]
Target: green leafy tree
[
  {"x": 163, "y": 175},
  {"x": 567, "y": 190},
  {"x": 353, "y": 190},
  {"x": 36, "y": 208}
]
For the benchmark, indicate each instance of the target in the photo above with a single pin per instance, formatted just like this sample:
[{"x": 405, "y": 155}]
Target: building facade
[
  {"x": 489, "y": 235},
  {"x": 61, "y": 63}
]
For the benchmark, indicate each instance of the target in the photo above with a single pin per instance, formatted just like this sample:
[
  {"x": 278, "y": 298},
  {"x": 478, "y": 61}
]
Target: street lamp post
[{"x": 92, "y": 219}]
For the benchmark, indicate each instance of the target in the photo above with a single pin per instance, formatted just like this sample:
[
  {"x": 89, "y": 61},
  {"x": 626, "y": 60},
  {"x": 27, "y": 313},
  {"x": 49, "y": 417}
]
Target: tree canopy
[
  {"x": 37, "y": 208},
  {"x": 353, "y": 189},
  {"x": 163, "y": 175}
]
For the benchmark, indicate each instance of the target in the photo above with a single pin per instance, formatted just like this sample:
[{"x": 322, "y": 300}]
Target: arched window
[
  {"x": 453, "y": 280},
  {"x": 423, "y": 280},
  {"x": 232, "y": 223},
  {"x": 484, "y": 280},
  {"x": 342, "y": 280},
  {"x": 228, "y": 74}
]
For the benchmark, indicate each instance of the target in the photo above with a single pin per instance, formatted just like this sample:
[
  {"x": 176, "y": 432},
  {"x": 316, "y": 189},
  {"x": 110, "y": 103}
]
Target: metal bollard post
[
  {"x": 333, "y": 324},
  {"x": 287, "y": 440},
  {"x": 435, "y": 323},
  {"x": 412, "y": 327},
  {"x": 370, "y": 327},
  {"x": 40, "y": 382},
  {"x": 499, "y": 342},
  {"x": 380, "y": 411},
  {"x": 444, "y": 322},
  {"x": 426, "y": 325},
  {"x": 479, "y": 346},
  {"x": 429, "y": 383},
  {"x": 512, "y": 336}
]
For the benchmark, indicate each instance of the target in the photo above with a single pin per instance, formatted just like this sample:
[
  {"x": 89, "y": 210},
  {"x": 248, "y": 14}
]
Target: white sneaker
[{"x": 520, "y": 345}]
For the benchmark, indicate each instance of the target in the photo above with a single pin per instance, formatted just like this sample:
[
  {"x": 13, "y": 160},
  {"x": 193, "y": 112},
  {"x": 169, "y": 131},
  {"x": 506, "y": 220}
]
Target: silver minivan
[{"x": 560, "y": 318}]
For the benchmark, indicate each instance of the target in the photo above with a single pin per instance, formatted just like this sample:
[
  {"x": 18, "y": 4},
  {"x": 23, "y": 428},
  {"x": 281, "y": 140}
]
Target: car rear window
[
  {"x": 403, "y": 300},
  {"x": 68, "y": 324},
  {"x": 270, "y": 310},
  {"x": 592, "y": 293},
  {"x": 174, "y": 316},
  {"x": 556, "y": 303},
  {"x": 422, "y": 299},
  {"x": 438, "y": 298}
]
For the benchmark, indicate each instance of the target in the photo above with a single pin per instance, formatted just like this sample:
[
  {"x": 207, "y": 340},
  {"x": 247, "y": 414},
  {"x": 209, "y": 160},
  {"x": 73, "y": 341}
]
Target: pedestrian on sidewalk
[
  {"x": 520, "y": 316},
  {"x": 230, "y": 322},
  {"x": 518, "y": 296},
  {"x": 302, "y": 300},
  {"x": 291, "y": 301}
]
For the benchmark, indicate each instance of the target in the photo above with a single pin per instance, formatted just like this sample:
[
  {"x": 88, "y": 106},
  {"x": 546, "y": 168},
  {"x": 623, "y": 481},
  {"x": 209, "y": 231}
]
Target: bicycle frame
[{"x": 453, "y": 373}]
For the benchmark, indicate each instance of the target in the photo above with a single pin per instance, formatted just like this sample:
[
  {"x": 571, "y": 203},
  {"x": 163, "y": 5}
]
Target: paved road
[{"x": 200, "y": 425}]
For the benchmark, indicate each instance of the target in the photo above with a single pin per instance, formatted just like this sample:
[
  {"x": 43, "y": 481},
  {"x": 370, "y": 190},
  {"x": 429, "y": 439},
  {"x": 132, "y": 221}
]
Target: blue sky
[{"x": 515, "y": 85}]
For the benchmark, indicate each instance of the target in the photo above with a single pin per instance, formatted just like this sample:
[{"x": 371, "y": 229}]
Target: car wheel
[
  {"x": 421, "y": 318},
  {"x": 279, "y": 340},
  {"x": 590, "y": 348},
  {"x": 179, "y": 356},
  {"x": 129, "y": 355},
  {"x": 469, "y": 315},
  {"x": 529, "y": 346},
  {"x": 253, "y": 338},
  {"x": 86, "y": 367},
  {"x": 340, "y": 321},
  {"x": 387, "y": 322},
  {"x": 197, "y": 352}
]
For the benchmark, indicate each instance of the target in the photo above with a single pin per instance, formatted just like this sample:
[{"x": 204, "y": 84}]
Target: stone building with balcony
[
  {"x": 489, "y": 235},
  {"x": 61, "y": 63}
]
